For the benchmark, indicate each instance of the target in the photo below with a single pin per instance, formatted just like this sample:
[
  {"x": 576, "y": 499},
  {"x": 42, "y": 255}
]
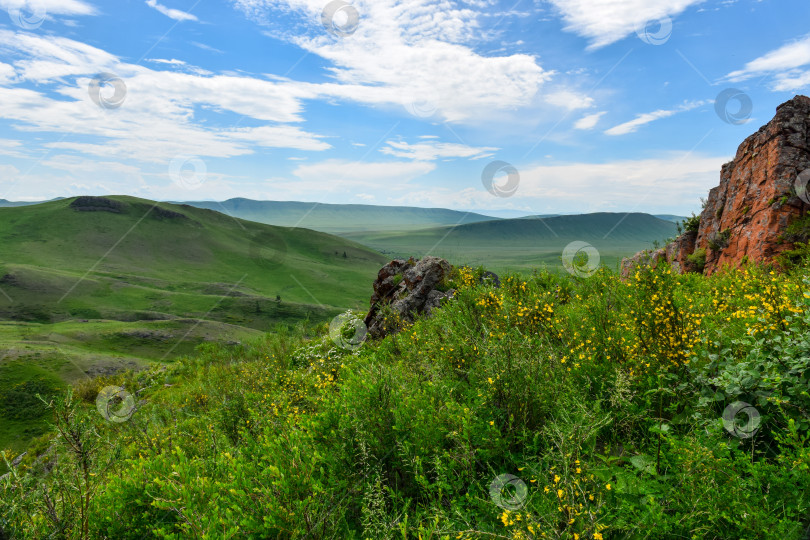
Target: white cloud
[
  {"x": 53, "y": 7},
  {"x": 406, "y": 53},
  {"x": 589, "y": 121},
  {"x": 603, "y": 22},
  {"x": 783, "y": 63},
  {"x": 175, "y": 14},
  {"x": 172, "y": 62},
  {"x": 643, "y": 119},
  {"x": 668, "y": 184},
  {"x": 569, "y": 100},
  {"x": 12, "y": 148},
  {"x": 7, "y": 73},
  {"x": 429, "y": 151},
  {"x": 158, "y": 120}
]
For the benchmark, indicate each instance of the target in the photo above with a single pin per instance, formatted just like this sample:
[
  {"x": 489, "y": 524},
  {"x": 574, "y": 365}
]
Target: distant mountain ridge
[{"x": 339, "y": 218}]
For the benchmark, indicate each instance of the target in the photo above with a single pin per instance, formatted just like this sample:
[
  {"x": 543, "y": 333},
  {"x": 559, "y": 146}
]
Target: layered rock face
[
  {"x": 404, "y": 289},
  {"x": 755, "y": 201}
]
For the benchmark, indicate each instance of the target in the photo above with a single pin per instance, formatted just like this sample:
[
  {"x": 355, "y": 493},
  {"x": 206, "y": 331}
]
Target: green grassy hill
[
  {"x": 526, "y": 243},
  {"x": 341, "y": 218},
  {"x": 90, "y": 286}
]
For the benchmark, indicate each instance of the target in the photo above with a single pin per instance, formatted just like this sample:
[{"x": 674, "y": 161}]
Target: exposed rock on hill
[
  {"x": 97, "y": 204},
  {"x": 745, "y": 216},
  {"x": 404, "y": 289}
]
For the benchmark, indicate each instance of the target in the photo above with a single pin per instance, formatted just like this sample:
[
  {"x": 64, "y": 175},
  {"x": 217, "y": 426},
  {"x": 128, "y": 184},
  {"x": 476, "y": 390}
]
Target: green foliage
[
  {"x": 798, "y": 230},
  {"x": 602, "y": 398},
  {"x": 698, "y": 259},
  {"x": 719, "y": 241},
  {"x": 691, "y": 224}
]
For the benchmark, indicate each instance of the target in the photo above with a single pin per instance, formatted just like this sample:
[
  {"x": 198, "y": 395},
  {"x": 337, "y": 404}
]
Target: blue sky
[{"x": 599, "y": 105}]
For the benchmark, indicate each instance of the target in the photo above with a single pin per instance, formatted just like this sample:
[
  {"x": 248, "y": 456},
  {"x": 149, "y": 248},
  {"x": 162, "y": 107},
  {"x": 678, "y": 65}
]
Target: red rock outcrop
[{"x": 756, "y": 200}]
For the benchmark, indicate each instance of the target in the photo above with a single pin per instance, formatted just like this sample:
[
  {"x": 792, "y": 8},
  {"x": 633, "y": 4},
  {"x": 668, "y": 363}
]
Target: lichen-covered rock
[
  {"x": 642, "y": 258},
  {"x": 403, "y": 290},
  {"x": 745, "y": 215},
  {"x": 679, "y": 250}
]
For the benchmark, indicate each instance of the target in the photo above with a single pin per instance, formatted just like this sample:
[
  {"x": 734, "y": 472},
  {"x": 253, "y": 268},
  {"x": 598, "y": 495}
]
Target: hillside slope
[
  {"x": 525, "y": 243},
  {"x": 91, "y": 286},
  {"x": 62, "y": 252}
]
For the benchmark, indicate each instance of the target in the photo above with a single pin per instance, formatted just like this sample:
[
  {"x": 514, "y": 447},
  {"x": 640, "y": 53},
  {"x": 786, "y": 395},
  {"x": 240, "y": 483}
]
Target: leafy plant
[
  {"x": 718, "y": 241},
  {"x": 698, "y": 259}
]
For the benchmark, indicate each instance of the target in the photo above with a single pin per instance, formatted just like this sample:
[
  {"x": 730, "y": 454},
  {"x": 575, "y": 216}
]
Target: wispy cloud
[
  {"x": 404, "y": 53},
  {"x": 429, "y": 151},
  {"x": 175, "y": 14},
  {"x": 55, "y": 7},
  {"x": 164, "y": 106},
  {"x": 646, "y": 118},
  {"x": 589, "y": 121},
  {"x": 603, "y": 22},
  {"x": 785, "y": 63}
]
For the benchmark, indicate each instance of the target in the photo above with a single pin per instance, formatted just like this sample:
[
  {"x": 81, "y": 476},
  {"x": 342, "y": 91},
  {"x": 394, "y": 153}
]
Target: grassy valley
[{"x": 524, "y": 244}]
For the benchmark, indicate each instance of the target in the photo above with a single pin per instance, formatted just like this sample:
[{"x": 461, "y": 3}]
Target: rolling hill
[
  {"x": 340, "y": 218},
  {"x": 137, "y": 276},
  {"x": 93, "y": 285},
  {"x": 526, "y": 243}
]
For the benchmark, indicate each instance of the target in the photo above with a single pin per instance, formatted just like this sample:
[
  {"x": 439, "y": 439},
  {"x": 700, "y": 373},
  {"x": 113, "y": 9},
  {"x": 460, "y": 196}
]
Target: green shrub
[
  {"x": 691, "y": 224},
  {"x": 719, "y": 241},
  {"x": 698, "y": 259}
]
